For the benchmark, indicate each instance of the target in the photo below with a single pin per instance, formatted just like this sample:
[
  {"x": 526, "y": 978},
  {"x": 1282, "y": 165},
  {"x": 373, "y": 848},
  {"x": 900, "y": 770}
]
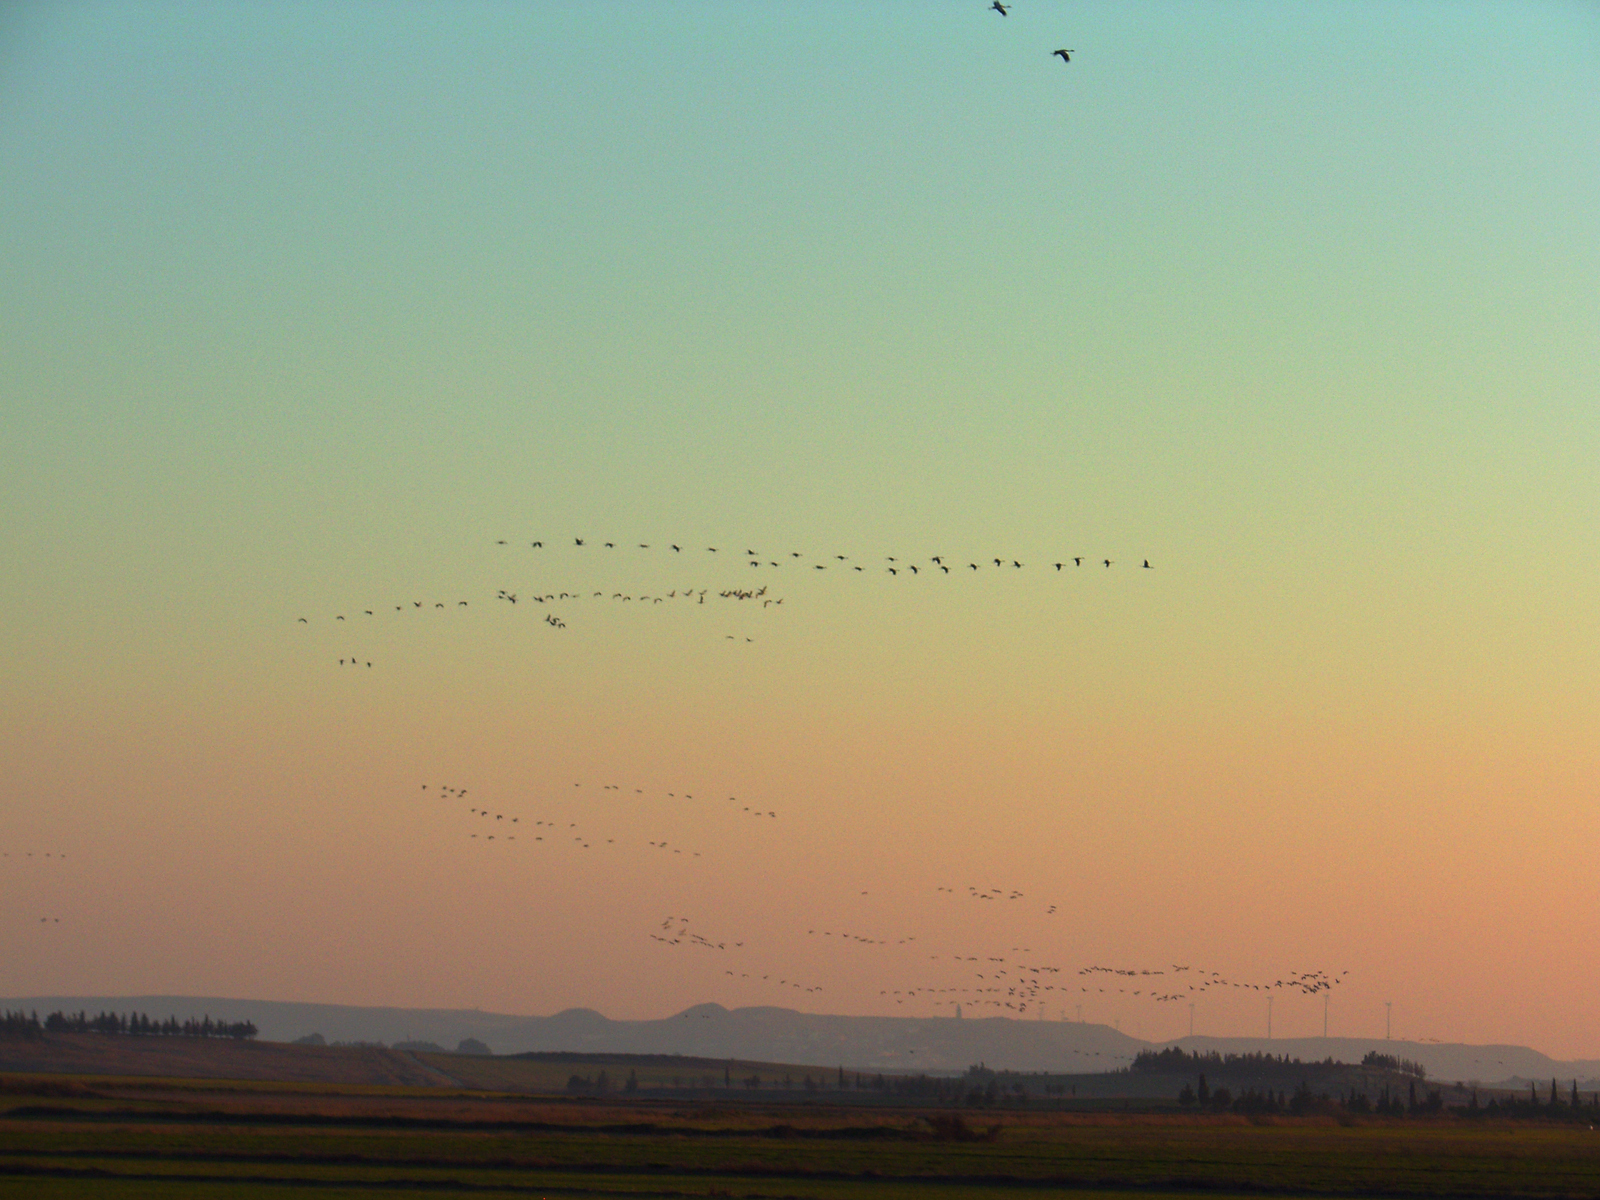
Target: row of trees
[
  {"x": 1572, "y": 1105},
  {"x": 1260, "y": 1068},
  {"x": 900, "y": 1085},
  {"x": 1389, "y": 1103},
  {"x": 1303, "y": 1101},
  {"x": 1389, "y": 1062},
  {"x": 28, "y": 1025},
  {"x": 601, "y": 1085},
  {"x": 1251, "y": 1101}
]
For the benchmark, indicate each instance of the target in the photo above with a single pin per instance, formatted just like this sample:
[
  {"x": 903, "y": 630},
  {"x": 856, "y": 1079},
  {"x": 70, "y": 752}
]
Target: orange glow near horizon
[{"x": 1302, "y": 315}]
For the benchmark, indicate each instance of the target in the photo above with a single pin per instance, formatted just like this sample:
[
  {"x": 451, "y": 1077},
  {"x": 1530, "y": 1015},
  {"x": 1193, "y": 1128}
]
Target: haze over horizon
[{"x": 306, "y": 310}]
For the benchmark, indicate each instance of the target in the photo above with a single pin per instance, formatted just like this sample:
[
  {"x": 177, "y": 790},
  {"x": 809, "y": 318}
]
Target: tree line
[
  {"x": 1261, "y": 1069},
  {"x": 1388, "y": 1102},
  {"x": 1258, "y": 1066},
  {"x": 28, "y": 1025},
  {"x": 1389, "y": 1062},
  {"x": 898, "y": 1085},
  {"x": 1571, "y": 1107}
]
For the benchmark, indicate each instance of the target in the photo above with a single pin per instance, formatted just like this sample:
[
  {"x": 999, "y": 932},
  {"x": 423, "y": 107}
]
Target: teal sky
[{"x": 303, "y": 307}]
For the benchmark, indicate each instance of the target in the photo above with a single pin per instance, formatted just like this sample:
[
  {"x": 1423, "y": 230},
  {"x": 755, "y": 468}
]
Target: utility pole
[{"x": 1387, "y": 1006}]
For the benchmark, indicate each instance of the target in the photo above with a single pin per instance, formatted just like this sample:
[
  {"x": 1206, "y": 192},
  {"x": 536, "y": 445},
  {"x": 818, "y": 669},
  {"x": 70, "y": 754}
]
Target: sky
[{"x": 305, "y": 309}]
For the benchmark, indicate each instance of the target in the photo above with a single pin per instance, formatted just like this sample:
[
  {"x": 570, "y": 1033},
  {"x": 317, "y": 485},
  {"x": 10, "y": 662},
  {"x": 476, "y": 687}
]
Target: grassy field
[
  {"x": 211, "y": 1058},
  {"x": 84, "y": 1136}
]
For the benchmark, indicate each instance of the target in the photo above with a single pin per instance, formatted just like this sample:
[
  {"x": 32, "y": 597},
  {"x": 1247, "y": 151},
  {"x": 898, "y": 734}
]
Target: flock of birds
[
  {"x": 683, "y": 936},
  {"x": 1018, "y": 982},
  {"x": 931, "y": 566},
  {"x": 1015, "y": 981},
  {"x": 39, "y": 857},
  {"x": 555, "y": 603},
  {"x": 508, "y": 824},
  {"x": 892, "y": 564}
]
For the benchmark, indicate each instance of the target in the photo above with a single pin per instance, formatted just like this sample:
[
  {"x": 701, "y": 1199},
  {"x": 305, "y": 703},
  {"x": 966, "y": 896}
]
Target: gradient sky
[{"x": 304, "y": 307}]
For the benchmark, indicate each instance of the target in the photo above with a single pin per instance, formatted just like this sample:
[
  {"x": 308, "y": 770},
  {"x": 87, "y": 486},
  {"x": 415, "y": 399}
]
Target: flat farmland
[
  {"x": 108, "y": 1137},
  {"x": 651, "y": 1072}
]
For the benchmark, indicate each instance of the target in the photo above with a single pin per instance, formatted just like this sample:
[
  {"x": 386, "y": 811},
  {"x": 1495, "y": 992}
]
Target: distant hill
[
  {"x": 1489, "y": 1064},
  {"x": 935, "y": 1044}
]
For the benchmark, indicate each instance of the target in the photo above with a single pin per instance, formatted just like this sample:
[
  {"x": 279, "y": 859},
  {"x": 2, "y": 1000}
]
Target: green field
[{"x": 139, "y": 1138}]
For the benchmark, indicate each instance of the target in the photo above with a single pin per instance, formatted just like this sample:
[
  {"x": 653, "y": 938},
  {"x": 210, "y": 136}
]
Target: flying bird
[
  {"x": 1064, "y": 55},
  {"x": 1003, "y": 9}
]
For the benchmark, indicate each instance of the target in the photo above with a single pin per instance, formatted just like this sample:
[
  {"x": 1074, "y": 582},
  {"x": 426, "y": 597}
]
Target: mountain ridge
[{"x": 708, "y": 1030}]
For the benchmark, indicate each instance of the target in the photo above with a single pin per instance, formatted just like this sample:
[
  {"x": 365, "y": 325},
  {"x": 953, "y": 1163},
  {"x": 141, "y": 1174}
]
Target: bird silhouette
[
  {"x": 1064, "y": 55},
  {"x": 1003, "y": 9}
]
